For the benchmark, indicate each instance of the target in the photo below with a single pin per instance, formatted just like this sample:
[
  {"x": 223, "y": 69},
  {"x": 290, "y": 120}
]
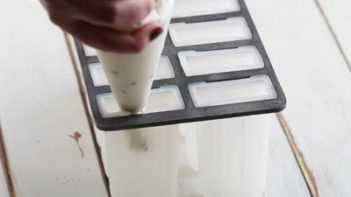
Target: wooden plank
[
  {"x": 46, "y": 132},
  {"x": 100, "y": 136},
  {"x": 308, "y": 175},
  {"x": 3, "y": 185},
  {"x": 5, "y": 182},
  {"x": 284, "y": 177},
  {"x": 317, "y": 84},
  {"x": 337, "y": 16}
]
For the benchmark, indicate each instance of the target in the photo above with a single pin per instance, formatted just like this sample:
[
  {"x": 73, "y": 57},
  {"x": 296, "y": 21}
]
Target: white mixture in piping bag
[{"x": 131, "y": 75}]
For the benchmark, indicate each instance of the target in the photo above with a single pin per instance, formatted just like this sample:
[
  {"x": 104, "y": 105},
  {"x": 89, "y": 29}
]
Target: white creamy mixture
[{"x": 131, "y": 75}]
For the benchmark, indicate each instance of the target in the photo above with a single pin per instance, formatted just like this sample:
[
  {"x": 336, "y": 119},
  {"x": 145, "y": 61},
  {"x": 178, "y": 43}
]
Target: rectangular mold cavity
[
  {"x": 256, "y": 88},
  {"x": 219, "y": 61},
  {"x": 98, "y": 75},
  {"x": 89, "y": 51},
  {"x": 165, "y": 98},
  {"x": 231, "y": 29},
  {"x": 186, "y": 8},
  {"x": 165, "y": 71}
]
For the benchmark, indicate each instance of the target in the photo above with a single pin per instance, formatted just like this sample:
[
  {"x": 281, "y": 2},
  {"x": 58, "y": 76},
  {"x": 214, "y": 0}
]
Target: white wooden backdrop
[
  {"x": 41, "y": 106},
  {"x": 4, "y": 192},
  {"x": 41, "y": 109},
  {"x": 316, "y": 79}
]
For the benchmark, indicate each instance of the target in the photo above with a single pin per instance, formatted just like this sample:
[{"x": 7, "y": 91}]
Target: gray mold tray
[{"x": 213, "y": 66}]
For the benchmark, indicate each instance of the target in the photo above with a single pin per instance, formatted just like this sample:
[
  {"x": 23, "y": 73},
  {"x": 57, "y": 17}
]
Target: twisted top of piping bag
[{"x": 160, "y": 14}]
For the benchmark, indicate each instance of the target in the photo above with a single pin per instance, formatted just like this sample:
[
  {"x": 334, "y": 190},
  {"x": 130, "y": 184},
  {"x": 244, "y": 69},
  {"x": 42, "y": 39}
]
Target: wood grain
[
  {"x": 41, "y": 108},
  {"x": 308, "y": 175},
  {"x": 336, "y": 14},
  {"x": 284, "y": 177},
  {"x": 317, "y": 82},
  {"x": 95, "y": 133},
  {"x": 6, "y": 185},
  {"x": 3, "y": 183}
]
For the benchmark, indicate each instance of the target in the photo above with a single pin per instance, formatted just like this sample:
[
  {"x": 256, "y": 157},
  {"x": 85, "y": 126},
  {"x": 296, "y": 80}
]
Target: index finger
[{"x": 119, "y": 14}]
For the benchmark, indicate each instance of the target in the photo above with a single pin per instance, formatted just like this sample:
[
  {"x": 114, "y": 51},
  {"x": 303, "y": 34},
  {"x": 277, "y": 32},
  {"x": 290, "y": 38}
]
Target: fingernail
[{"x": 155, "y": 33}]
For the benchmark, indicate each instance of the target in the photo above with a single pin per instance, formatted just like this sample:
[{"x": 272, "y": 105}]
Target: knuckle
[
  {"x": 149, "y": 6},
  {"x": 104, "y": 42},
  {"x": 135, "y": 16},
  {"x": 112, "y": 14},
  {"x": 56, "y": 19},
  {"x": 137, "y": 13}
]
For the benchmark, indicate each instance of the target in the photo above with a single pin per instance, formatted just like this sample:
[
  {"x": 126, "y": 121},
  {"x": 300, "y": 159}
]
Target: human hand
[{"x": 108, "y": 25}]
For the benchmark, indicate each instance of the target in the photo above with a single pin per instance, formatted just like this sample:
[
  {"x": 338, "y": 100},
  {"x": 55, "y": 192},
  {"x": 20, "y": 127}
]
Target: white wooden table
[{"x": 48, "y": 143}]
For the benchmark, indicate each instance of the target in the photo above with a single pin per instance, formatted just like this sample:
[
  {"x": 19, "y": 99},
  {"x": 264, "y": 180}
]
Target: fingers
[
  {"x": 121, "y": 14},
  {"x": 107, "y": 39},
  {"x": 104, "y": 39},
  {"x": 108, "y": 25}
]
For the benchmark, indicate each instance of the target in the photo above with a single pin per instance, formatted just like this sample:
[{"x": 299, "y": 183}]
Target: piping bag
[{"x": 131, "y": 75}]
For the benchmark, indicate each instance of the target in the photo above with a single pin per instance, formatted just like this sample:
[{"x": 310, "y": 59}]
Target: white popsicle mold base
[{"x": 222, "y": 158}]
